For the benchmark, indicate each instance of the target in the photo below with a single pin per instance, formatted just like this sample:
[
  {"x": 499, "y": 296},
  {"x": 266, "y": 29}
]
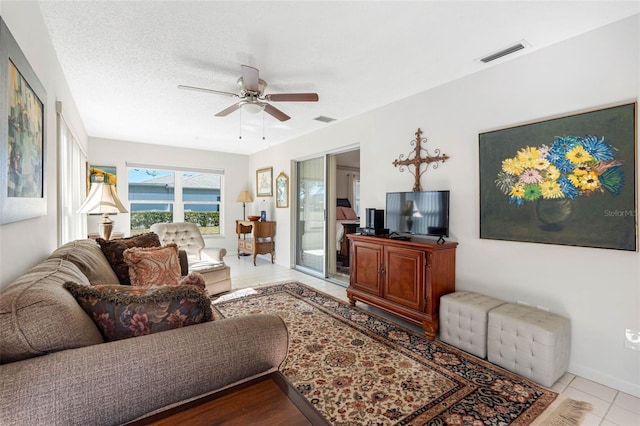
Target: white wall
[
  {"x": 108, "y": 152},
  {"x": 599, "y": 290},
  {"x": 25, "y": 243}
]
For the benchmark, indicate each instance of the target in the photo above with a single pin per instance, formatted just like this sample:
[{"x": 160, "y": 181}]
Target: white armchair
[{"x": 187, "y": 236}]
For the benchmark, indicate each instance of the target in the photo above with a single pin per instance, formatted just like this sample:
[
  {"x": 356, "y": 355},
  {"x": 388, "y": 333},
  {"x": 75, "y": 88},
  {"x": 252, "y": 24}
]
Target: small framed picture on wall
[
  {"x": 282, "y": 191},
  {"x": 264, "y": 182}
]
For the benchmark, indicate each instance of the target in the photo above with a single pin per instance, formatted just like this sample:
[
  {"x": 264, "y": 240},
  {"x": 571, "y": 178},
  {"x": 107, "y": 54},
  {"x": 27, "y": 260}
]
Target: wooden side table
[{"x": 256, "y": 238}]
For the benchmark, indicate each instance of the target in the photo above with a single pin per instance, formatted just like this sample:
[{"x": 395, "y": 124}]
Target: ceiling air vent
[
  {"x": 324, "y": 119},
  {"x": 504, "y": 52}
]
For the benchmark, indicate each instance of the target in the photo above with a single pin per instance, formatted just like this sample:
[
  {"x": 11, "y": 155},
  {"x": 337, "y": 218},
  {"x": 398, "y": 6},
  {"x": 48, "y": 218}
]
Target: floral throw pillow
[
  {"x": 113, "y": 250},
  {"x": 121, "y": 312},
  {"x": 153, "y": 266},
  {"x": 195, "y": 279}
]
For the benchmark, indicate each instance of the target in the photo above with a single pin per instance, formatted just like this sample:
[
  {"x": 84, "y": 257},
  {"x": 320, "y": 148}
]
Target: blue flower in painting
[
  {"x": 558, "y": 152},
  {"x": 563, "y": 164},
  {"x": 518, "y": 201},
  {"x": 562, "y": 144},
  {"x": 598, "y": 148},
  {"x": 568, "y": 189}
]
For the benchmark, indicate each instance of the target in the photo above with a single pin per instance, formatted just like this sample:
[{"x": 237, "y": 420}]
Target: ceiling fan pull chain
[
  {"x": 240, "y": 129},
  {"x": 263, "y": 138}
]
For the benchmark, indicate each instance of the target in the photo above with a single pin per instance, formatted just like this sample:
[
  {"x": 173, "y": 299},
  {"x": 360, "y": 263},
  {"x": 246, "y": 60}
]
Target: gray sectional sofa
[{"x": 56, "y": 369}]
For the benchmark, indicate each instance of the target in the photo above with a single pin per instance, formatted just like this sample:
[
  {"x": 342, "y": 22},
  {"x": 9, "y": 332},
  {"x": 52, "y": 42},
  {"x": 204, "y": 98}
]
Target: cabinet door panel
[
  {"x": 366, "y": 261},
  {"x": 404, "y": 277}
]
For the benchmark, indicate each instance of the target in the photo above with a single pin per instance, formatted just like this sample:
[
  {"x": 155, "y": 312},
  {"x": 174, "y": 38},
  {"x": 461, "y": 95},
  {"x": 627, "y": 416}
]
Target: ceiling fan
[{"x": 252, "y": 96}]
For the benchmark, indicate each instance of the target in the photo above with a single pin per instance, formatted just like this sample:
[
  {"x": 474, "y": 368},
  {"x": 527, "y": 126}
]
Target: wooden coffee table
[{"x": 267, "y": 400}]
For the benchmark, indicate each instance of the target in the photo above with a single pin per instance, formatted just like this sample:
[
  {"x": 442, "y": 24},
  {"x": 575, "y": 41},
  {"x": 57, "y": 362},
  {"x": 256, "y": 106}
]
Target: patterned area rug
[{"x": 360, "y": 369}]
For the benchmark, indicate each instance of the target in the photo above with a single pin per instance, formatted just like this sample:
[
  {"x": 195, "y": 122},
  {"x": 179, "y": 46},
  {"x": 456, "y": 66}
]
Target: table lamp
[
  {"x": 243, "y": 198},
  {"x": 103, "y": 199}
]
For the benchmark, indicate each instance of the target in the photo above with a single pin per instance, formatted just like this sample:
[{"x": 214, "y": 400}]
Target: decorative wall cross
[{"x": 417, "y": 160}]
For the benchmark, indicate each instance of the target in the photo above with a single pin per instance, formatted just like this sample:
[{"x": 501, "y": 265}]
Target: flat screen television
[{"x": 418, "y": 213}]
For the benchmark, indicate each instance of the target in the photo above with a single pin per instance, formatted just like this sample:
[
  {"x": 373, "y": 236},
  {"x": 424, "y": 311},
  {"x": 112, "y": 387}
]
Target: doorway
[
  {"x": 327, "y": 209},
  {"x": 311, "y": 216},
  {"x": 346, "y": 190}
]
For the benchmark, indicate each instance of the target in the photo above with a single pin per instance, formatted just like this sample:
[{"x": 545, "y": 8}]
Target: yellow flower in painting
[
  {"x": 588, "y": 182},
  {"x": 578, "y": 155},
  {"x": 551, "y": 189},
  {"x": 528, "y": 156},
  {"x": 517, "y": 191},
  {"x": 512, "y": 166},
  {"x": 552, "y": 173},
  {"x": 540, "y": 164},
  {"x": 574, "y": 179},
  {"x": 582, "y": 169}
]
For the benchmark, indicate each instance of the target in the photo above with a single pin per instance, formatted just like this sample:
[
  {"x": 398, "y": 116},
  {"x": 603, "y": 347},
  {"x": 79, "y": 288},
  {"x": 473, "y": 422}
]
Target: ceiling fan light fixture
[{"x": 252, "y": 107}]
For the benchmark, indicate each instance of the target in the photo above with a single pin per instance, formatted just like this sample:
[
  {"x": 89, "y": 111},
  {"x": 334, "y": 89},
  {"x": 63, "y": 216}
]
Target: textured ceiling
[{"x": 124, "y": 59}]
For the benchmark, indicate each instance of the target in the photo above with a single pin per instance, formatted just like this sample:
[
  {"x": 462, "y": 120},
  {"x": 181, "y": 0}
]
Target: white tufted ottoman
[
  {"x": 463, "y": 320},
  {"x": 217, "y": 275},
  {"x": 529, "y": 341}
]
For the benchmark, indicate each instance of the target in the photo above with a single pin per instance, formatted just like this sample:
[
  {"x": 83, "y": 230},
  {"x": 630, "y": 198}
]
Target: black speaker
[{"x": 375, "y": 218}]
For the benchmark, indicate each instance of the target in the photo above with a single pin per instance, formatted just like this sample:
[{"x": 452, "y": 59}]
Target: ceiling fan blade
[
  {"x": 292, "y": 97},
  {"x": 200, "y": 89},
  {"x": 270, "y": 109},
  {"x": 229, "y": 110},
  {"x": 250, "y": 78}
]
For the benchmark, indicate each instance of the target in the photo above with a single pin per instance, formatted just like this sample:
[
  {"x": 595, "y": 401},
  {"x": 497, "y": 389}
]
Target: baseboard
[{"x": 606, "y": 380}]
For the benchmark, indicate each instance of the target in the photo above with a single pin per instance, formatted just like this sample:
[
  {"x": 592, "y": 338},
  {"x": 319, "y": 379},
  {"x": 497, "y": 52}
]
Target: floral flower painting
[
  {"x": 572, "y": 166},
  {"x": 569, "y": 180}
]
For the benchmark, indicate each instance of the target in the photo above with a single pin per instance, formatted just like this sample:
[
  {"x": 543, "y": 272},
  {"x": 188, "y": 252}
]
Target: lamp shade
[
  {"x": 244, "y": 197},
  {"x": 102, "y": 198}
]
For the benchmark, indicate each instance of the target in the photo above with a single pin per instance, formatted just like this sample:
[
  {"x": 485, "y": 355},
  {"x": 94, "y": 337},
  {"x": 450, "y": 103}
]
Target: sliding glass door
[{"x": 311, "y": 216}]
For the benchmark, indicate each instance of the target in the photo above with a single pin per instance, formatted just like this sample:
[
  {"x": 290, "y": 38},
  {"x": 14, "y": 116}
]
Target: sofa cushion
[
  {"x": 113, "y": 250},
  {"x": 195, "y": 279},
  {"x": 38, "y": 316},
  {"x": 153, "y": 266},
  {"x": 121, "y": 312},
  {"x": 88, "y": 257}
]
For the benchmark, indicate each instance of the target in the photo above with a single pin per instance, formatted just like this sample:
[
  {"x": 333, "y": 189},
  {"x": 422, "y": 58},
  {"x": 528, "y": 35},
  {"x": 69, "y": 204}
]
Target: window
[
  {"x": 164, "y": 195},
  {"x": 356, "y": 195},
  {"x": 72, "y": 166}
]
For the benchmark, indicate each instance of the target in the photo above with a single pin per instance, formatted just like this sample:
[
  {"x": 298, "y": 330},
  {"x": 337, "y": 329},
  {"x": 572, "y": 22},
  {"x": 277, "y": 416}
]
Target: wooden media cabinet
[{"x": 403, "y": 278}]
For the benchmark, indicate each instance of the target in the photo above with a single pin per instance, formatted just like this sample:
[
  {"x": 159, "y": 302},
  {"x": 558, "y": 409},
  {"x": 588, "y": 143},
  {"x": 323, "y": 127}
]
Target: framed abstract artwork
[
  {"x": 106, "y": 174},
  {"x": 22, "y": 135},
  {"x": 569, "y": 180},
  {"x": 264, "y": 182}
]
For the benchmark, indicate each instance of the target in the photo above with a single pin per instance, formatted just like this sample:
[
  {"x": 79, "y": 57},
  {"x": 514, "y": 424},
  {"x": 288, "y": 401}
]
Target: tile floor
[{"x": 610, "y": 407}]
